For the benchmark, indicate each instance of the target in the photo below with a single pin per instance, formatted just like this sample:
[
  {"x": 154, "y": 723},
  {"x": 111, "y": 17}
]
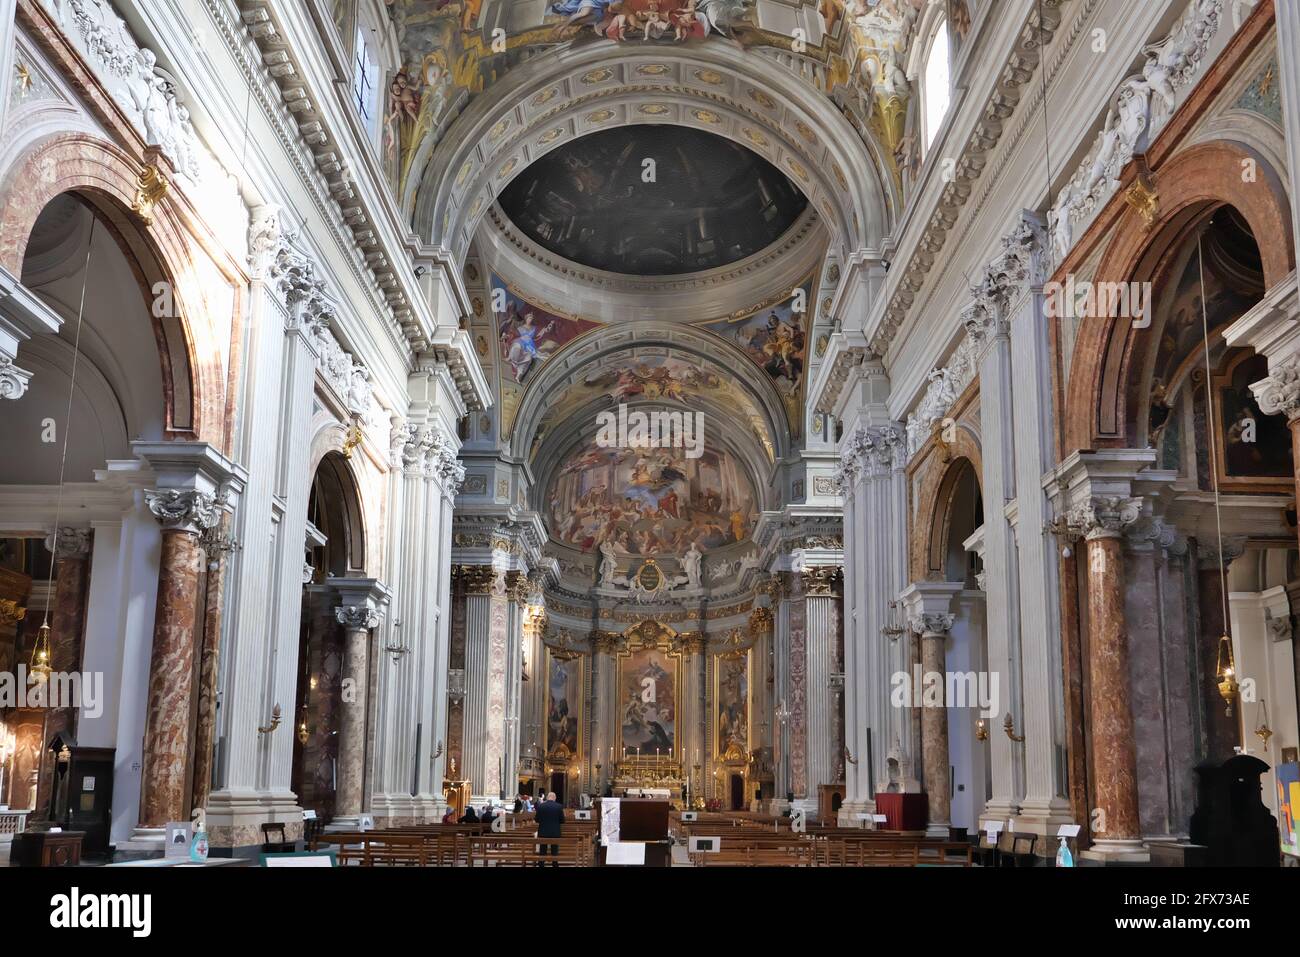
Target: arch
[
  {"x": 339, "y": 515},
  {"x": 564, "y": 94},
  {"x": 941, "y": 469},
  {"x": 1191, "y": 185},
  {"x": 191, "y": 349},
  {"x": 951, "y": 496},
  {"x": 602, "y": 342}
]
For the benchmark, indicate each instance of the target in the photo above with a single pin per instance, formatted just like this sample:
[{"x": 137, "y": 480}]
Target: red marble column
[
  {"x": 1114, "y": 761},
  {"x": 205, "y": 731},
  {"x": 184, "y": 514}
]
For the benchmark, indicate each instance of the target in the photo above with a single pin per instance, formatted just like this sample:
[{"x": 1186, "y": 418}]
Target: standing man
[{"x": 550, "y": 823}]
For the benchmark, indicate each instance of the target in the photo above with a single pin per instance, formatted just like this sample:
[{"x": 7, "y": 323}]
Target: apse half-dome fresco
[
  {"x": 649, "y": 501},
  {"x": 653, "y": 200}
]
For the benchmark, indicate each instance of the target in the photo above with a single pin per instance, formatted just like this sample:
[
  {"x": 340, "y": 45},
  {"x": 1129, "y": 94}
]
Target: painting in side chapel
[
  {"x": 563, "y": 707},
  {"x": 648, "y": 703},
  {"x": 733, "y": 707}
]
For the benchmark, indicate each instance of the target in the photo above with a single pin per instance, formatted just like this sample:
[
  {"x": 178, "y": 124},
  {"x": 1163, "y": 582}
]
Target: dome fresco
[{"x": 653, "y": 201}]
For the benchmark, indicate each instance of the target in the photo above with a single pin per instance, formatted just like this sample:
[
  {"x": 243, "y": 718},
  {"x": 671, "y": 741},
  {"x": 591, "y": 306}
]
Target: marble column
[
  {"x": 988, "y": 326},
  {"x": 1222, "y": 723},
  {"x": 695, "y": 716},
  {"x": 818, "y": 588},
  {"x": 286, "y": 310},
  {"x": 359, "y": 612},
  {"x": 873, "y": 461},
  {"x": 184, "y": 515},
  {"x": 216, "y": 549},
  {"x": 604, "y": 646},
  {"x": 1045, "y": 806},
  {"x": 929, "y": 617},
  {"x": 487, "y": 625},
  {"x": 761, "y": 719},
  {"x": 67, "y": 621},
  {"x": 446, "y": 476},
  {"x": 1116, "y": 827}
]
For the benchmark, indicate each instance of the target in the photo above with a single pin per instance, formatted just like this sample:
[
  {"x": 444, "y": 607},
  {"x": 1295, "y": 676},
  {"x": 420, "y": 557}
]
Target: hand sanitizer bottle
[{"x": 1063, "y": 856}]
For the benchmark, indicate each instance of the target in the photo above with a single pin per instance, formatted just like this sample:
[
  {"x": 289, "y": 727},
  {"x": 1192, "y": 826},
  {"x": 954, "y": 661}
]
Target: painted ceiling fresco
[
  {"x": 649, "y": 501},
  {"x": 453, "y": 50},
  {"x": 622, "y": 378},
  {"x": 776, "y": 338},
  {"x": 652, "y": 201},
  {"x": 774, "y": 335},
  {"x": 527, "y": 335}
]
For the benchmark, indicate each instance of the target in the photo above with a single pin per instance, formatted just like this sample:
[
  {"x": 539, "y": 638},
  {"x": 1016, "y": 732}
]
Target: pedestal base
[
  {"x": 235, "y": 818},
  {"x": 1044, "y": 820},
  {"x": 1117, "y": 852},
  {"x": 144, "y": 841},
  {"x": 849, "y": 811}
]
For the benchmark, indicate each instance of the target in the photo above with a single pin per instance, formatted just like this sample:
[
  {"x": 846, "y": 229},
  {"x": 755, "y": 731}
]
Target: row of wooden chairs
[{"x": 460, "y": 846}]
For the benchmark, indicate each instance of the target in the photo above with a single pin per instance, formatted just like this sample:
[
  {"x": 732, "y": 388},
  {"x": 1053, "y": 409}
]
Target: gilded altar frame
[
  {"x": 729, "y": 761},
  {"x": 557, "y": 756}
]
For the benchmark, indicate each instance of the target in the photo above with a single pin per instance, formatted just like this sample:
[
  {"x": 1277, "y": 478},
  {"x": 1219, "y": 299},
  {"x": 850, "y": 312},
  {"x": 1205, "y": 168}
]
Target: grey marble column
[{"x": 359, "y": 614}]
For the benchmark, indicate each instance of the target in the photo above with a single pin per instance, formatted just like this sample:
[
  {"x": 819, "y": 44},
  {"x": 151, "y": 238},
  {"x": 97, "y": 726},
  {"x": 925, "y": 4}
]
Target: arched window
[
  {"x": 365, "y": 79},
  {"x": 935, "y": 85}
]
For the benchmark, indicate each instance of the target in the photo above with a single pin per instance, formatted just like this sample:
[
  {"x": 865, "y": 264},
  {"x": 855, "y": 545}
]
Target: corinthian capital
[
  {"x": 187, "y": 510},
  {"x": 70, "y": 543},
  {"x": 294, "y": 277},
  {"x": 264, "y": 238},
  {"x": 358, "y": 617},
  {"x": 928, "y": 623},
  {"x": 1104, "y": 516},
  {"x": 1279, "y": 394},
  {"x": 13, "y": 380}
]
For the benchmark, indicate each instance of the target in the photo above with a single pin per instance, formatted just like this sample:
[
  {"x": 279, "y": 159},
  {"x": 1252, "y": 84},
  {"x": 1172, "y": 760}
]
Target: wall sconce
[
  {"x": 1009, "y": 726},
  {"x": 1226, "y": 673},
  {"x": 275, "y": 721},
  {"x": 894, "y": 626},
  {"x": 981, "y": 730},
  {"x": 396, "y": 648}
]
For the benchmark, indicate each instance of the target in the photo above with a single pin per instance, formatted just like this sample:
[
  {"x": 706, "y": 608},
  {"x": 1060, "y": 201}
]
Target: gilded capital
[
  {"x": 820, "y": 580},
  {"x": 475, "y": 579}
]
